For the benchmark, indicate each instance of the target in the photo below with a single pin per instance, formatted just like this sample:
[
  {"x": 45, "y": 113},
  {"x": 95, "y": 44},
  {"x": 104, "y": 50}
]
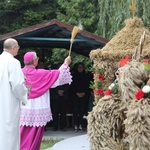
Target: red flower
[
  {"x": 101, "y": 77},
  {"x": 108, "y": 92},
  {"x": 100, "y": 92},
  {"x": 139, "y": 94},
  {"x": 124, "y": 61},
  {"x": 145, "y": 61}
]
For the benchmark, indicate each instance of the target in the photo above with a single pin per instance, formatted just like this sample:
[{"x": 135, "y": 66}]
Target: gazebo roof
[{"x": 55, "y": 34}]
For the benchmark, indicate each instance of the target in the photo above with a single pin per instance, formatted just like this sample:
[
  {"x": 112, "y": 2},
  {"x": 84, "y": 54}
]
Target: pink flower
[{"x": 139, "y": 94}]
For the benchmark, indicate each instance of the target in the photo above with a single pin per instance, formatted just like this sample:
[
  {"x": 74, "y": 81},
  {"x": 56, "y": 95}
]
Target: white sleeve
[
  {"x": 64, "y": 76},
  {"x": 16, "y": 79}
]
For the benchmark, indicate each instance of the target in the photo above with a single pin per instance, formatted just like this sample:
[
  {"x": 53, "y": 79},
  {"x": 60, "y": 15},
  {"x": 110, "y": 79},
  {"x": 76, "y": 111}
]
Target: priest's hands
[{"x": 67, "y": 60}]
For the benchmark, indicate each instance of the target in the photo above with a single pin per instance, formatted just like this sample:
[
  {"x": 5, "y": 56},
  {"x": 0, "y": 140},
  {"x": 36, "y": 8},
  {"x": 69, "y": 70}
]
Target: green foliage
[
  {"x": 147, "y": 67},
  {"x": 79, "y": 11},
  {"x": 101, "y": 71},
  {"x": 112, "y": 14},
  {"x": 115, "y": 89},
  {"x": 92, "y": 86},
  {"x": 102, "y": 17},
  {"x": 49, "y": 143},
  {"x": 18, "y": 14},
  {"x": 58, "y": 56},
  {"x": 98, "y": 85}
]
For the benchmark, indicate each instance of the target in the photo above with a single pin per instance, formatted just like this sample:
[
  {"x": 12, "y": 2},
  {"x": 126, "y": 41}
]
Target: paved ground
[
  {"x": 72, "y": 140},
  {"x": 49, "y": 134},
  {"x": 75, "y": 143}
]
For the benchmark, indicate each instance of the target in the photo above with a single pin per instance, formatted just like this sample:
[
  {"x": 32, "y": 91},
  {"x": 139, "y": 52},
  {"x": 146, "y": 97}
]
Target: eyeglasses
[{"x": 17, "y": 46}]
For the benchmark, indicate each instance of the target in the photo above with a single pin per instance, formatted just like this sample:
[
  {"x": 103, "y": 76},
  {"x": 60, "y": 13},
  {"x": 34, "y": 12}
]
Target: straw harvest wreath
[{"x": 125, "y": 112}]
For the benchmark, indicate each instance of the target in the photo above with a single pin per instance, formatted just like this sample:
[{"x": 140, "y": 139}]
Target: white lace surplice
[{"x": 37, "y": 111}]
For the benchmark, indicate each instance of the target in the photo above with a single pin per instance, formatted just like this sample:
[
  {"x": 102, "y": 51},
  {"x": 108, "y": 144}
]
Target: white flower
[
  {"x": 146, "y": 89},
  {"x": 111, "y": 86}
]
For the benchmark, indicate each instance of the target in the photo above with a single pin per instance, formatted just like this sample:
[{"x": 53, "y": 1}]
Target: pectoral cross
[{"x": 133, "y": 8}]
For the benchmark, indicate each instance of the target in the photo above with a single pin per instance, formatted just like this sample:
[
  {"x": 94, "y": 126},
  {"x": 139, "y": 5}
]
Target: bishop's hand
[{"x": 67, "y": 60}]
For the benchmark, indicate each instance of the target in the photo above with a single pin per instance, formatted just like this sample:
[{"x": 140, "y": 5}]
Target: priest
[{"x": 12, "y": 90}]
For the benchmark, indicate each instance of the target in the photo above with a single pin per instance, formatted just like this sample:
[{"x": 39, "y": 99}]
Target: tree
[
  {"x": 112, "y": 14},
  {"x": 79, "y": 11},
  {"x": 16, "y": 14},
  {"x": 76, "y": 12},
  {"x": 101, "y": 17}
]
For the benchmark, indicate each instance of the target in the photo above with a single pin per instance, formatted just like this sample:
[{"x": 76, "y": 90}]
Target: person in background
[
  {"x": 59, "y": 98},
  {"x": 80, "y": 89},
  {"x": 12, "y": 92},
  {"x": 37, "y": 112}
]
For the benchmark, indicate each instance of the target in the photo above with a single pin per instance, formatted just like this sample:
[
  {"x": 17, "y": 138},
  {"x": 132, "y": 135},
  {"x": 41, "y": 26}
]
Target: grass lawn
[{"x": 49, "y": 143}]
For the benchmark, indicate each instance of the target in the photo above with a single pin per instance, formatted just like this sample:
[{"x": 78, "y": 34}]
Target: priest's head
[
  {"x": 30, "y": 58},
  {"x": 11, "y": 46}
]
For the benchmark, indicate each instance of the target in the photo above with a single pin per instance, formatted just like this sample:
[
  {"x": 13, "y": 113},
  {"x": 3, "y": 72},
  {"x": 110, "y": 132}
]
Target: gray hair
[
  {"x": 9, "y": 44},
  {"x": 31, "y": 62}
]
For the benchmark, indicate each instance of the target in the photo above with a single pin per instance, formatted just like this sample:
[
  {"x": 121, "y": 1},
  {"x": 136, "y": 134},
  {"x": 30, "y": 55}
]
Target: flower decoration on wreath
[
  {"x": 97, "y": 87},
  {"x": 144, "y": 92},
  {"x": 113, "y": 88}
]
